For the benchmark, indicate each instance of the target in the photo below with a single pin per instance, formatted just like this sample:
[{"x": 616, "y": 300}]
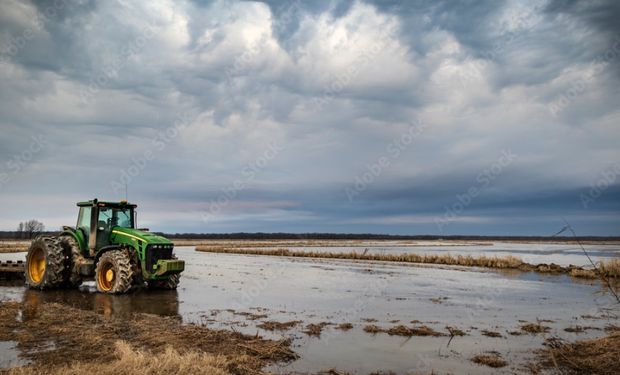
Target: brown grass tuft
[
  {"x": 455, "y": 331},
  {"x": 313, "y": 329},
  {"x": 345, "y": 326},
  {"x": 487, "y": 333},
  {"x": 278, "y": 326},
  {"x": 579, "y": 329},
  {"x": 402, "y": 330},
  {"x": 534, "y": 328},
  {"x": 131, "y": 361},
  {"x": 371, "y": 328},
  {"x": 610, "y": 268},
  {"x": 595, "y": 356},
  {"x": 492, "y": 360},
  {"x": 583, "y": 273}
]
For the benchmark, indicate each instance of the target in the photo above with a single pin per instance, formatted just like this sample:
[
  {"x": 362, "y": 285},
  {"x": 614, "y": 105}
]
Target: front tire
[
  {"x": 46, "y": 263},
  {"x": 114, "y": 272}
]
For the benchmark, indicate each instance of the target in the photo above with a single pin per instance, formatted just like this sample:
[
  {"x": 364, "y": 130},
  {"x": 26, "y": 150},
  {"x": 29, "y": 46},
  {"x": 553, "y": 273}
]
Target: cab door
[
  {"x": 83, "y": 223},
  {"x": 105, "y": 223}
]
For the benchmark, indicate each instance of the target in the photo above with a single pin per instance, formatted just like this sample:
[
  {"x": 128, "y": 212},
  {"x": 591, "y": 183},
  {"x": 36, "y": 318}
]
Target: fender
[
  {"x": 105, "y": 249},
  {"x": 77, "y": 235}
]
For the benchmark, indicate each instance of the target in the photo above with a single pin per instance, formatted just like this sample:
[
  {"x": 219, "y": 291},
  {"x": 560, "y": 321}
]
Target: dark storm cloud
[{"x": 602, "y": 14}]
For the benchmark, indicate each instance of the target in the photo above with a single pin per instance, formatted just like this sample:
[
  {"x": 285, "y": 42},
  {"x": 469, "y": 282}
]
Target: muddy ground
[
  {"x": 53, "y": 337},
  {"x": 426, "y": 318}
]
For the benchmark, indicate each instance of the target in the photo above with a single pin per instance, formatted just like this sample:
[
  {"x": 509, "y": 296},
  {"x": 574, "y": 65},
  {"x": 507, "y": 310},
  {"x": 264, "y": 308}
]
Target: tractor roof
[{"x": 106, "y": 204}]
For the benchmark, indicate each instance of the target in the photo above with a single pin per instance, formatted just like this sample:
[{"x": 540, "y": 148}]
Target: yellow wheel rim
[
  {"x": 36, "y": 265},
  {"x": 106, "y": 277}
]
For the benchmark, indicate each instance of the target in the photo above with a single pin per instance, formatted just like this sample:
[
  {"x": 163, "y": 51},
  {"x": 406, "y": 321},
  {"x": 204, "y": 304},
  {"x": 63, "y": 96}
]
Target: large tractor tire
[
  {"x": 170, "y": 284},
  {"x": 75, "y": 258},
  {"x": 114, "y": 274},
  {"x": 46, "y": 263}
]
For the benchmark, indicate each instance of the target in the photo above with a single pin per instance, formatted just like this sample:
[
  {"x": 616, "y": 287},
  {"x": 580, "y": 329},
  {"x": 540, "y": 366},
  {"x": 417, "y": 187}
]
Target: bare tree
[
  {"x": 20, "y": 230},
  {"x": 31, "y": 228}
]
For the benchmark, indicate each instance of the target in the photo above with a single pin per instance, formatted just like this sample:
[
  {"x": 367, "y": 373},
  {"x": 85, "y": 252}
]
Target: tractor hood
[{"x": 124, "y": 234}]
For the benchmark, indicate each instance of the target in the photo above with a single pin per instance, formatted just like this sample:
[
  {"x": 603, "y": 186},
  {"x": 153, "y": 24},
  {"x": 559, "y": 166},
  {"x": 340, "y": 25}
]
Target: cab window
[
  {"x": 84, "y": 219},
  {"x": 110, "y": 217}
]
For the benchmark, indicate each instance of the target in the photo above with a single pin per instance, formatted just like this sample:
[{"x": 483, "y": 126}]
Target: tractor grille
[{"x": 153, "y": 254}]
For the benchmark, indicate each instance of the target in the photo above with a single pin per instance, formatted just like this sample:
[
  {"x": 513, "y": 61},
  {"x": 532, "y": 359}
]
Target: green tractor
[{"x": 106, "y": 245}]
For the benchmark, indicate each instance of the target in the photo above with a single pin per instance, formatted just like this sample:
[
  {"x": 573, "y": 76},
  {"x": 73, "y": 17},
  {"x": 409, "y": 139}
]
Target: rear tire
[
  {"x": 46, "y": 263},
  {"x": 170, "y": 284},
  {"x": 72, "y": 250},
  {"x": 114, "y": 273}
]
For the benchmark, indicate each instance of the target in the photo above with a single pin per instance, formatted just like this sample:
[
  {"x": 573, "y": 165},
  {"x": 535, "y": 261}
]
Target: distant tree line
[{"x": 29, "y": 230}]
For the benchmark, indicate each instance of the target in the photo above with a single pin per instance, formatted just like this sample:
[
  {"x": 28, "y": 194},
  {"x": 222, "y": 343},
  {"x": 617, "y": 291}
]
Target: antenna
[{"x": 126, "y": 200}]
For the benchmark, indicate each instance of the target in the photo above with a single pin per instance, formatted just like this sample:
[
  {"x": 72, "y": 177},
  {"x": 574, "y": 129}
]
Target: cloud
[{"x": 336, "y": 86}]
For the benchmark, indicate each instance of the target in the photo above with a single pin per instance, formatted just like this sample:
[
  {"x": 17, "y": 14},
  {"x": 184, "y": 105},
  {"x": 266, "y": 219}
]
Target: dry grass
[
  {"x": 131, "y": 361},
  {"x": 579, "y": 329},
  {"x": 401, "y": 330},
  {"x": 371, "y": 328},
  {"x": 14, "y": 246},
  {"x": 447, "y": 259},
  {"x": 487, "y": 333},
  {"x": 583, "y": 273},
  {"x": 345, "y": 326},
  {"x": 278, "y": 326},
  {"x": 455, "y": 331},
  {"x": 534, "y": 328},
  {"x": 492, "y": 360},
  {"x": 610, "y": 268},
  {"x": 595, "y": 356},
  {"x": 313, "y": 329},
  {"x": 248, "y": 315},
  {"x": 87, "y": 338}
]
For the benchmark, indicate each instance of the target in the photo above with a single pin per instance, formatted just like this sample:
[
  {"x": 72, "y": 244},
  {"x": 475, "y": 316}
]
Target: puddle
[
  {"x": 9, "y": 355},
  {"x": 237, "y": 291}
]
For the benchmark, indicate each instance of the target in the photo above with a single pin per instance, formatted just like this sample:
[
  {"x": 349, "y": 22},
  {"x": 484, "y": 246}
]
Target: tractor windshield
[{"x": 116, "y": 217}]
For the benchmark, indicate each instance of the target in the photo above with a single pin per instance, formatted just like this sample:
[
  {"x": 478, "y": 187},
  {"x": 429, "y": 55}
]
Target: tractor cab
[{"x": 96, "y": 221}]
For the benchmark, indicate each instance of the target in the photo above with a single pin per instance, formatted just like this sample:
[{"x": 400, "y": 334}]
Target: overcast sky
[{"x": 412, "y": 117}]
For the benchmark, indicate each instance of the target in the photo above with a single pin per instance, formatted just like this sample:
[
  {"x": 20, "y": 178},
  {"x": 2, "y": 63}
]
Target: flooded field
[{"x": 317, "y": 296}]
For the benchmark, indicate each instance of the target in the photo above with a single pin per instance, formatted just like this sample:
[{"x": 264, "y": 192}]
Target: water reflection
[{"x": 164, "y": 303}]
